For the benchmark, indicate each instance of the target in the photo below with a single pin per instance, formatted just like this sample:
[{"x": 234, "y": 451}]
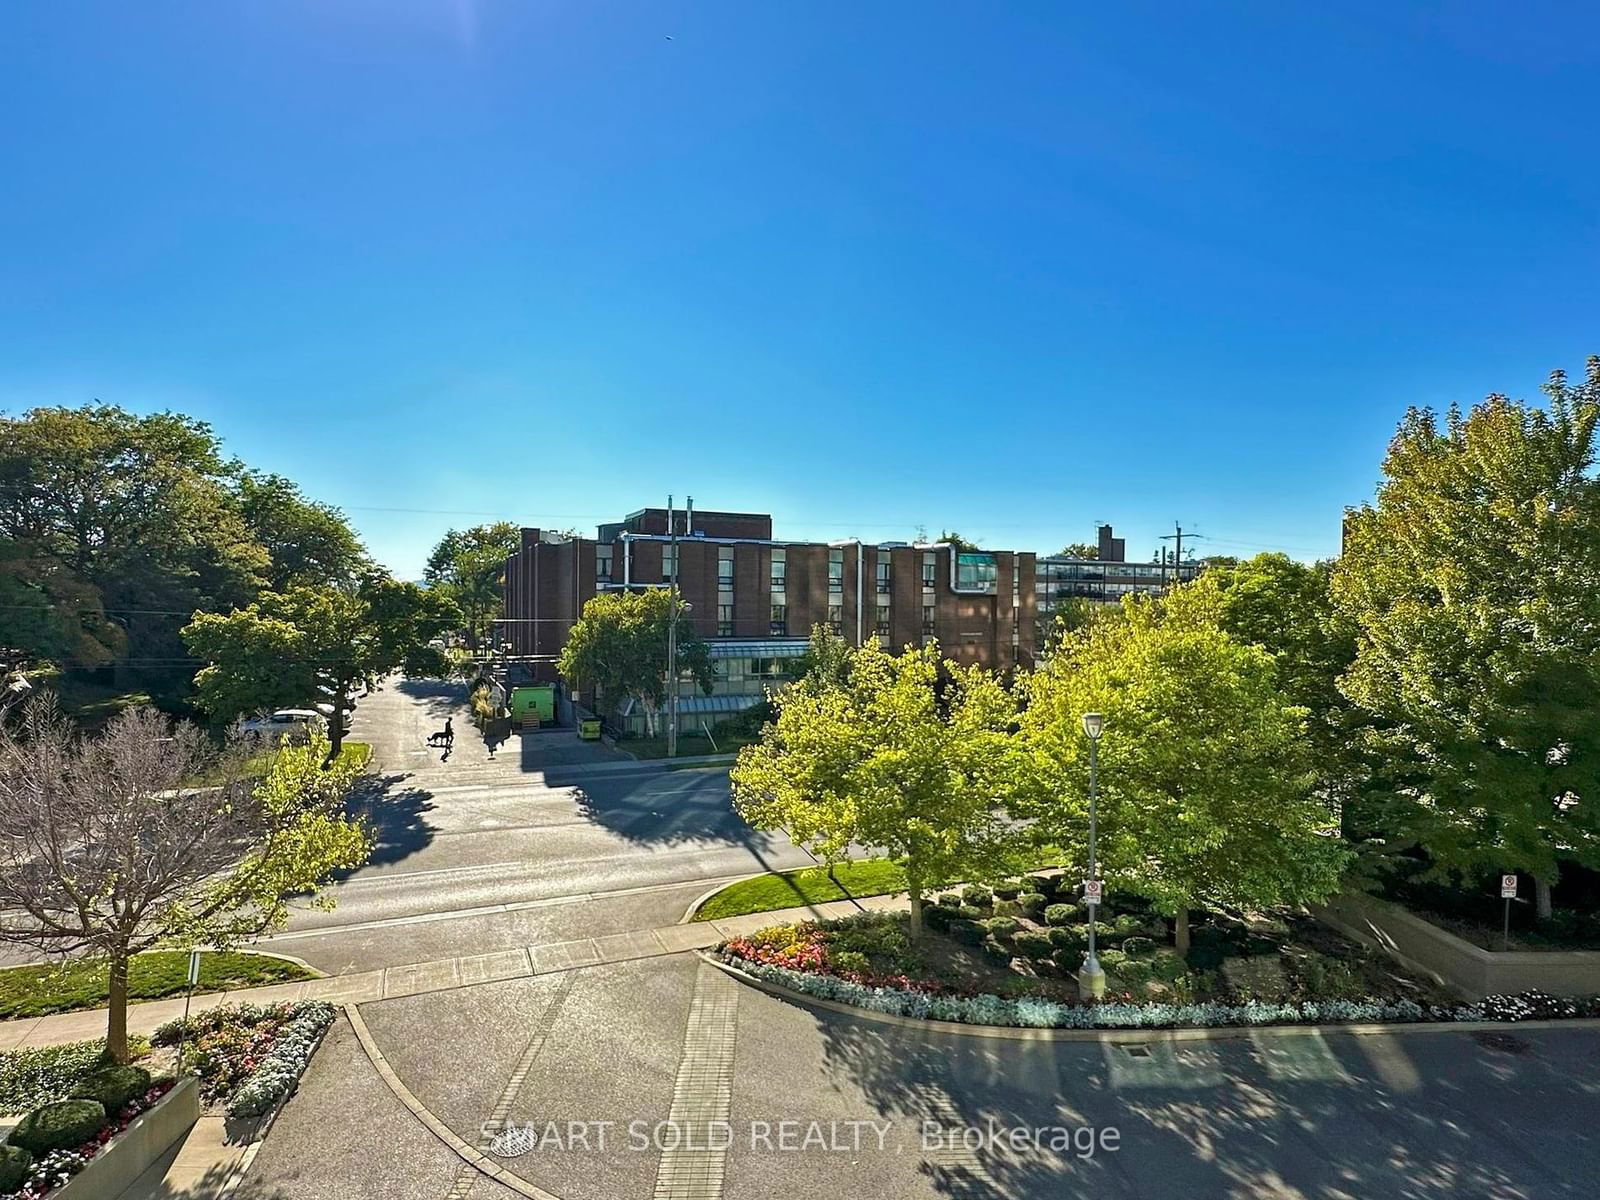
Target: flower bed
[
  {"x": 53, "y": 1169},
  {"x": 845, "y": 961},
  {"x": 250, "y": 1057}
]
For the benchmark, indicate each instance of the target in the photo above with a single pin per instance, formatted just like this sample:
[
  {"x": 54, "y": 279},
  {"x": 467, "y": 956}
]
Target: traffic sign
[
  {"x": 1508, "y": 887},
  {"x": 1093, "y": 889},
  {"x": 194, "y": 967}
]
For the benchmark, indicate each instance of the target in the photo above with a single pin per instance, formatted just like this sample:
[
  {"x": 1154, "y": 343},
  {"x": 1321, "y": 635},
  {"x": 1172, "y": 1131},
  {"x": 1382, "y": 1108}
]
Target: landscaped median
[
  {"x": 40, "y": 989},
  {"x": 1264, "y": 969}
]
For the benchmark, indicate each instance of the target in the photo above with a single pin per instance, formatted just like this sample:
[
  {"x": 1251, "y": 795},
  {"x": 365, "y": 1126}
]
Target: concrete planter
[
  {"x": 1472, "y": 970},
  {"x": 132, "y": 1151}
]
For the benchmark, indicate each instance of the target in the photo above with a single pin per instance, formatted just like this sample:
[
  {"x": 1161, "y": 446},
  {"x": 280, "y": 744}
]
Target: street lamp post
[{"x": 1091, "y": 979}]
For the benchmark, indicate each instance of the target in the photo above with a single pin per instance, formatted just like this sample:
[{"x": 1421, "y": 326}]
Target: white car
[{"x": 291, "y": 721}]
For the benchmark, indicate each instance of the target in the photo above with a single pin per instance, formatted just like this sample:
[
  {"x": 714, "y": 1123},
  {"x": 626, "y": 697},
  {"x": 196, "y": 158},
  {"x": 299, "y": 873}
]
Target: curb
[
  {"x": 1220, "y": 1033},
  {"x": 688, "y": 915},
  {"x": 475, "y": 1159}
]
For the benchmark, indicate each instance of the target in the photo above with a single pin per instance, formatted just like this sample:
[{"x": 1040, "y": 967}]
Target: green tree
[
  {"x": 290, "y": 647},
  {"x": 1205, "y": 786},
  {"x": 308, "y": 543},
  {"x": 469, "y": 566},
  {"x": 112, "y": 517},
  {"x": 826, "y": 662},
  {"x": 619, "y": 645},
  {"x": 109, "y": 847},
  {"x": 1473, "y": 585},
  {"x": 884, "y": 760},
  {"x": 1080, "y": 550},
  {"x": 956, "y": 540}
]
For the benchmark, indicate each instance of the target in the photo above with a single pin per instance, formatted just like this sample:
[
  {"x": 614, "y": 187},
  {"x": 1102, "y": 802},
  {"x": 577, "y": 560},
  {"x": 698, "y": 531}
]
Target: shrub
[
  {"x": 1068, "y": 958},
  {"x": 1127, "y": 924},
  {"x": 1002, "y": 927},
  {"x": 1111, "y": 960},
  {"x": 848, "y": 961},
  {"x": 62, "y": 1125},
  {"x": 1033, "y": 903},
  {"x": 1138, "y": 947},
  {"x": 976, "y": 895},
  {"x": 1032, "y": 945},
  {"x": 15, "y": 1163},
  {"x": 968, "y": 932},
  {"x": 277, "y": 1074},
  {"x": 1060, "y": 914},
  {"x": 997, "y": 954},
  {"x": 1008, "y": 889},
  {"x": 938, "y": 916},
  {"x": 1007, "y": 908},
  {"x": 1045, "y": 885},
  {"x": 1135, "y": 972},
  {"x": 1064, "y": 938},
  {"x": 1102, "y": 931},
  {"x": 112, "y": 1085},
  {"x": 1169, "y": 966},
  {"x": 949, "y": 900}
]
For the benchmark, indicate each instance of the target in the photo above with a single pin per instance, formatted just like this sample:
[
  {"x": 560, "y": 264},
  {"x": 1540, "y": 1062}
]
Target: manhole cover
[
  {"x": 1504, "y": 1042},
  {"x": 1138, "y": 1051}
]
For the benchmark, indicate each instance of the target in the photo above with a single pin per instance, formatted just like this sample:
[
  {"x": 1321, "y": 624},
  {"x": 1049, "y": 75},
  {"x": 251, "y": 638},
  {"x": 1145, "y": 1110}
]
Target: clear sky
[{"x": 1008, "y": 268}]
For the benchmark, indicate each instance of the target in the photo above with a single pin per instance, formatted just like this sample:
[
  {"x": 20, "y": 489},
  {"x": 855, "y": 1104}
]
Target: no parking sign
[
  {"x": 1092, "y": 890},
  {"x": 1508, "y": 887}
]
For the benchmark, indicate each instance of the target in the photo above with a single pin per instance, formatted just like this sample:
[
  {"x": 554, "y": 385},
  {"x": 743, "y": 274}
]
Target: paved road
[
  {"x": 1408, "y": 1116},
  {"x": 549, "y": 839}
]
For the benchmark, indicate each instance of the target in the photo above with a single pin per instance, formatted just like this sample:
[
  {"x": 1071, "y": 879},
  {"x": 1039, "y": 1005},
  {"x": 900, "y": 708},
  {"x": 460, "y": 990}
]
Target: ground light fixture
[{"x": 1091, "y": 979}]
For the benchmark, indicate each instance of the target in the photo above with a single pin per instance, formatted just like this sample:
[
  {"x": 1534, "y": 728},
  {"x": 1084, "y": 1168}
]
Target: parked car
[{"x": 286, "y": 722}]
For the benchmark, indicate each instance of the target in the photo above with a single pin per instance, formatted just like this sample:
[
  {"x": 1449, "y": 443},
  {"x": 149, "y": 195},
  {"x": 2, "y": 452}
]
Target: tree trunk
[
  {"x": 914, "y": 890},
  {"x": 1180, "y": 931},
  {"x": 336, "y": 725},
  {"x": 117, "y": 1008},
  {"x": 1541, "y": 898}
]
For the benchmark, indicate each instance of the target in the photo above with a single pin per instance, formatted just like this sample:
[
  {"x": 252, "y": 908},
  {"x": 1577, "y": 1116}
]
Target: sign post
[
  {"x": 1508, "y": 893},
  {"x": 194, "y": 978}
]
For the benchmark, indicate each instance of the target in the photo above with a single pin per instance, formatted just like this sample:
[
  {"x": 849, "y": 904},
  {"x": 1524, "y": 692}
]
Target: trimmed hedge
[
  {"x": 1033, "y": 945},
  {"x": 1008, "y": 889},
  {"x": 976, "y": 895},
  {"x": 1033, "y": 903},
  {"x": 996, "y": 953},
  {"x": 1002, "y": 927},
  {"x": 64, "y": 1125},
  {"x": 113, "y": 1086},
  {"x": 1061, "y": 914},
  {"x": 15, "y": 1163}
]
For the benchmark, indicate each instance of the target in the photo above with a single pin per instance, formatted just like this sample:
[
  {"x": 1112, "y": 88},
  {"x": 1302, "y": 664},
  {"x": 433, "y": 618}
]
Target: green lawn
[
  {"x": 809, "y": 885},
  {"x": 257, "y": 765},
  {"x": 34, "y": 991}
]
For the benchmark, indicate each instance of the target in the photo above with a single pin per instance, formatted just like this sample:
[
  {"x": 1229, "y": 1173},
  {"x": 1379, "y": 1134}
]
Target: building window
[
  {"x": 780, "y": 621},
  {"x": 883, "y": 620},
  {"x": 976, "y": 572},
  {"x": 780, "y": 567},
  {"x": 885, "y": 580},
  {"x": 602, "y": 564},
  {"x": 836, "y": 617},
  {"x": 927, "y": 620},
  {"x": 930, "y": 568},
  {"x": 669, "y": 563},
  {"x": 836, "y": 570},
  {"x": 724, "y": 620},
  {"x": 725, "y": 569}
]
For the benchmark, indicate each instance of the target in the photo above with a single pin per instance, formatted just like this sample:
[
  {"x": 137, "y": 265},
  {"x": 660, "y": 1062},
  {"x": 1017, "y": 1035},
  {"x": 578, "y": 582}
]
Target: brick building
[{"x": 754, "y": 598}]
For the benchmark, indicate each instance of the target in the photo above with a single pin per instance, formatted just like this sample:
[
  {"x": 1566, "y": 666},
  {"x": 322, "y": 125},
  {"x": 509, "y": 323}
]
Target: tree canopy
[
  {"x": 1473, "y": 588},
  {"x": 619, "y": 645},
  {"x": 885, "y": 760},
  {"x": 308, "y": 543},
  {"x": 1080, "y": 550},
  {"x": 150, "y": 834},
  {"x": 288, "y": 649},
  {"x": 1205, "y": 781}
]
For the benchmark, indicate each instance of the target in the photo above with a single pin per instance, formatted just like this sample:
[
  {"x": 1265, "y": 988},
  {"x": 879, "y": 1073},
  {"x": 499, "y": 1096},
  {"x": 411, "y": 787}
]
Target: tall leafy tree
[
  {"x": 888, "y": 760},
  {"x": 290, "y": 647},
  {"x": 108, "y": 847},
  {"x": 1205, "y": 783},
  {"x": 619, "y": 645},
  {"x": 469, "y": 566},
  {"x": 113, "y": 517},
  {"x": 1080, "y": 550},
  {"x": 1473, "y": 586},
  {"x": 307, "y": 542}
]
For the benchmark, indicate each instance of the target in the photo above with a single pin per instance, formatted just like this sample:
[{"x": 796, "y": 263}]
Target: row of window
[{"x": 883, "y": 578}]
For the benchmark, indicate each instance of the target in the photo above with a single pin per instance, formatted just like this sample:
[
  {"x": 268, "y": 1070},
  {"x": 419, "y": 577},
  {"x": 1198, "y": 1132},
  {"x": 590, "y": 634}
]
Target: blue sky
[{"x": 1007, "y": 268}]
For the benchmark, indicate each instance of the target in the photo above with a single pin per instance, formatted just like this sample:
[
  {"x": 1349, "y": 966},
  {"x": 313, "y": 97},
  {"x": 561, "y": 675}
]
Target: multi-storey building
[
  {"x": 755, "y": 598},
  {"x": 1106, "y": 578}
]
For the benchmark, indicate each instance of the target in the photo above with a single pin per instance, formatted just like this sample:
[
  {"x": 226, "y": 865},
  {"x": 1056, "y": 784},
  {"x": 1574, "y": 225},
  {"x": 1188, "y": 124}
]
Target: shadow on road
[
  {"x": 396, "y": 814},
  {"x": 1289, "y": 1117},
  {"x": 439, "y": 697}
]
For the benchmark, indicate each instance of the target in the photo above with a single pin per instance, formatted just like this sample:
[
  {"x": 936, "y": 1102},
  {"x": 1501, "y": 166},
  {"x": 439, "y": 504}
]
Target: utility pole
[
  {"x": 672, "y": 638},
  {"x": 1177, "y": 554}
]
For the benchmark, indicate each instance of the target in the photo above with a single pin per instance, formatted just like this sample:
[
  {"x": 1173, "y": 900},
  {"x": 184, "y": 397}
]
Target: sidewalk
[{"x": 439, "y": 975}]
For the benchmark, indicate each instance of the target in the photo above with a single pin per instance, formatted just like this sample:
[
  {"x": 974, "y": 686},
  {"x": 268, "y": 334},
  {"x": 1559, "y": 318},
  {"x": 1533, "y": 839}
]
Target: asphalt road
[{"x": 547, "y": 839}]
